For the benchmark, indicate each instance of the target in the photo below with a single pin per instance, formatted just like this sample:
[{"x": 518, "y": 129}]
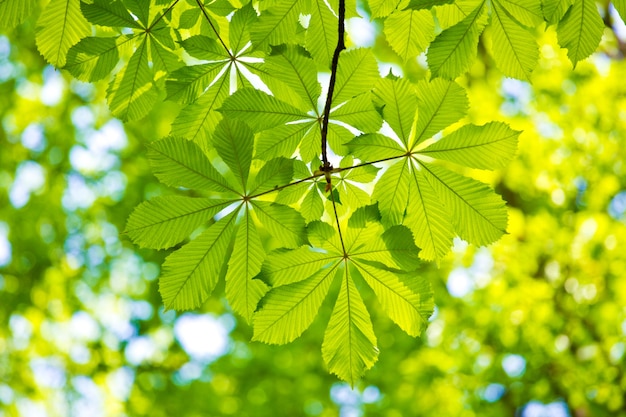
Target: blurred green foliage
[{"x": 534, "y": 323}]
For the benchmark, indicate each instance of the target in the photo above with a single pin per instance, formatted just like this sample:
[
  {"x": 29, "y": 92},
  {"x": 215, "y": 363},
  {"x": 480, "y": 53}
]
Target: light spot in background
[
  {"x": 5, "y": 47},
  {"x": 514, "y": 365},
  {"x": 120, "y": 382},
  {"x": 21, "y": 330},
  {"x": 53, "y": 87},
  {"x": 83, "y": 327},
  {"x": 617, "y": 206},
  {"x": 5, "y": 245},
  {"x": 558, "y": 197},
  {"x": 6, "y": 394},
  {"x": 493, "y": 392},
  {"x": 203, "y": 337},
  {"x": 459, "y": 283},
  {"x": 77, "y": 194},
  {"x": 139, "y": 349},
  {"x": 48, "y": 372},
  {"x": 371, "y": 394},
  {"x": 82, "y": 117},
  {"x": 29, "y": 178},
  {"x": 537, "y": 409},
  {"x": 546, "y": 127},
  {"x": 90, "y": 401},
  {"x": 361, "y": 31},
  {"x": 617, "y": 352},
  {"x": 190, "y": 372},
  {"x": 618, "y": 25},
  {"x": 385, "y": 68},
  {"x": 33, "y": 137},
  {"x": 517, "y": 96},
  {"x": 30, "y": 408},
  {"x": 351, "y": 400}
]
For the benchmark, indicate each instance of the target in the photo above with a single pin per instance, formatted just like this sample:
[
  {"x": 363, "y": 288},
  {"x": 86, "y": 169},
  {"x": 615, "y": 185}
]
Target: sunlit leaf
[
  {"x": 60, "y": 26},
  {"x": 191, "y": 273},
  {"x": 349, "y": 346},
  {"x": 580, "y": 30},
  {"x": 165, "y": 221}
]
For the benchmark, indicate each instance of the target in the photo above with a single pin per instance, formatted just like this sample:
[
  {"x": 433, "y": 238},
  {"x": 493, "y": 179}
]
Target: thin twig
[
  {"x": 320, "y": 173},
  {"x": 208, "y": 19},
  {"x": 158, "y": 19}
]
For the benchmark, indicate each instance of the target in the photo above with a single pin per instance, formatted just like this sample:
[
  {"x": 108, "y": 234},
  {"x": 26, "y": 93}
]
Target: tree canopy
[{"x": 322, "y": 173}]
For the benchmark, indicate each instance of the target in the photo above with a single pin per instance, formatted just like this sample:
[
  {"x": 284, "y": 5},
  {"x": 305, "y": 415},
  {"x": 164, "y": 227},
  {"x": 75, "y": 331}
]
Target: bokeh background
[{"x": 532, "y": 326}]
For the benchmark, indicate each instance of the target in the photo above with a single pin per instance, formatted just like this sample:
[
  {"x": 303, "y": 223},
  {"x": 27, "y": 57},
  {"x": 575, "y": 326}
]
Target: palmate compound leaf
[
  {"x": 302, "y": 278},
  {"x": 231, "y": 242},
  {"x": 432, "y": 201}
]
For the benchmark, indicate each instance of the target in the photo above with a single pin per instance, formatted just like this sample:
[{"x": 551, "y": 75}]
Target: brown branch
[{"x": 341, "y": 30}]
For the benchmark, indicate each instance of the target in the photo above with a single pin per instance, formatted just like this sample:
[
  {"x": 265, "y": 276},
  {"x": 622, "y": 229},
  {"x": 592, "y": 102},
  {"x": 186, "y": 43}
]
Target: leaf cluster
[{"x": 260, "y": 204}]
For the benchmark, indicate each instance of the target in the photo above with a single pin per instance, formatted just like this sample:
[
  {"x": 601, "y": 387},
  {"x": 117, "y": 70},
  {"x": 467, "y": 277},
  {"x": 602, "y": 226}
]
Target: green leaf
[
  {"x": 427, "y": 4},
  {"x": 440, "y": 104},
  {"x": 239, "y": 28},
  {"x": 527, "y": 12},
  {"x": 197, "y": 121},
  {"x": 449, "y": 15},
  {"x": 282, "y": 140},
  {"x": 554, "y": 10},
  {"x": 259, "y": 110},
  {"x": 382, "y": 8},
  {"x": 407, "y": 301},
  {"x": 13, "y": 12},
  {"x": 191, "y": 273},
  {"x": 289, "y": 310},
  {"x": 620, "y": 6},
  {"x": 491, "y": 146},
  {"x": 409, "y": 32},
  {"x": 298, "y": 72},
  {"x": 454, "y": 49},
  {"x": 312, "y": 207},
  {"x": 399, "y": 103},
  {"x": 131, "y": 95},
  {"x": 321, "y": 36},
  {"x": 287, "y": 267},
  {"x": 283, "y": 223},
  {"x": 180, "y": 163},
  {"x": 234, "y": 142},
  {"x": 428, "y": 219},
  {"x": 392, "y": 192},
  {"x": 165, "y": 221},
  {"x": 92, "y": 58},
  {"x": 374, "y": 147},
  {"x": 203, "y": 47},
  {"x": 356, "y": 74},
  {"x": 242, "y": 290},
  {"x": 60, "y": 26},
  {"x": 277, "y": 25},
  {"x": 515, "y": 50},
  {"x": 478, "y": 214},
  {"x": 349, "y": 346},
  {"x": 273, "y": 174},
  {"x": 359, "y": 113},
  {"x": 108, "y": 13},
  {"x": 186, "y": 84},
  {"x": 580, "y": 30}
]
